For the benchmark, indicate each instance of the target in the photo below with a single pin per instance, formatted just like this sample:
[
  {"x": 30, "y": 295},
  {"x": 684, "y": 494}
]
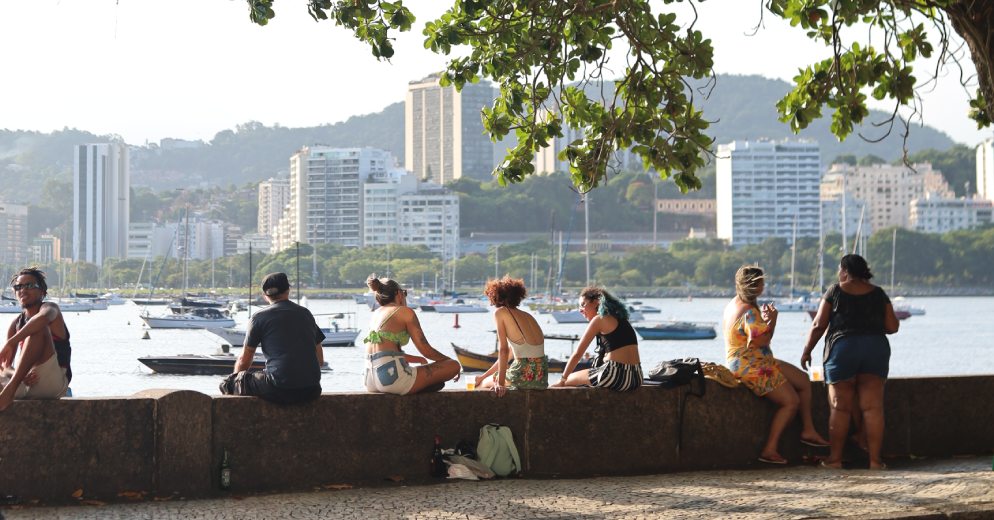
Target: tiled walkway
[{"x": 908, "y": 489}]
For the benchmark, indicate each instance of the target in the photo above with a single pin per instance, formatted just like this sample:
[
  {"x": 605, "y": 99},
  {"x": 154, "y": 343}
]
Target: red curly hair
[{"x": 505, "y": 292}]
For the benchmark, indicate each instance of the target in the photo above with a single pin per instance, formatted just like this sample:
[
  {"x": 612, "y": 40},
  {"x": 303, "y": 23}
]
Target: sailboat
[
  {"x": 795, "y": 304},
  {"x": 190, "y": 318}
]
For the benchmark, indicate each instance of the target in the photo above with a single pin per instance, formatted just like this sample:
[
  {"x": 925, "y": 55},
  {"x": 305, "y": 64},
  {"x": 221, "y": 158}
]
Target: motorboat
[
  {"x": 203, "y": 364},
  {"x": 901, "y": 314},
  {"x": 199, "y": 318},
  {"x": 473, "y": 362},
  {"x": 458, "y": 307},
  {"x": 680, "y": 330},
  {"x": 802, "y": 304},
  {"x": 576, "y": 317},
  {"x": 342, "y": 337}
]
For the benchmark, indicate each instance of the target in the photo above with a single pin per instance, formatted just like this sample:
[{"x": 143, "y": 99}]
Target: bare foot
[
  {"x": 837, "y": 464},
  {"x": 878, "y": 466}
]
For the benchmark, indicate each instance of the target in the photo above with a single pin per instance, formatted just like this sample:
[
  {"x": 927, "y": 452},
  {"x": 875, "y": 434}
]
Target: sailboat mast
[
  {"x": 793, "y": 255},
  {"x": 586, "y": 234},
  {"x": 893, "y": 256}
]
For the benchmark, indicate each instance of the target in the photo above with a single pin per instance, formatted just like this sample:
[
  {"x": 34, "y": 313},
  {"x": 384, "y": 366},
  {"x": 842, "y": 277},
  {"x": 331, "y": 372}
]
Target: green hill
[{"x": 742, "y": 107}]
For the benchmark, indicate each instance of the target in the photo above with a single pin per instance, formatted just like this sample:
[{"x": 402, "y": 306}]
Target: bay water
[{"x": 954, "y": 337}]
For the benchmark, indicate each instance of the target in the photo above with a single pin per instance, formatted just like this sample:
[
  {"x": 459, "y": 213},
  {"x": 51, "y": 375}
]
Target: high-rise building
[
  {"x": 13, "y": 234},
  {"x": 884, "y": 190},
  {"x": 443, "y": 131},
  {"x": 326, "y": 195},
  {"x": 274, "y": 195},
  {"x": 429, "y": 217},
  {"x": 940, "y": 214},
  {"x": 985, "y": 169},
  {"x": 101, "y": 185},
  {"x": 765, "y": 189},
  {"x": 380, "y": 195},
  {"x": 46, "y": 249}
]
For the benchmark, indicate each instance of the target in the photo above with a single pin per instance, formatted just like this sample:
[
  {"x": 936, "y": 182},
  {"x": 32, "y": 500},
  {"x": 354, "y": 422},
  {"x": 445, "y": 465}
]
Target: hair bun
[{"x": 374, "y": 283}]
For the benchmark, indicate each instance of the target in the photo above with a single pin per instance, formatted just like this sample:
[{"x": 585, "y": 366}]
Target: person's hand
[
  {"x": 805, "y": 360},
  {"x": 479, "y": 380},
  {"x": 7, "y": 353},
  {"x": 459, "y": 373},
  {"x": 561, "y": 383},
  {"x": 500, "y": 390},
  {"x": 6, "y": 398},
  {"x": 769, "y": 313},
  {"x": 31, "y": 378}
]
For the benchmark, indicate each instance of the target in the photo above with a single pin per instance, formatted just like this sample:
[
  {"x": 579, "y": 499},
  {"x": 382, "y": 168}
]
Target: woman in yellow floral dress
[{"x": 749, "y": 329}]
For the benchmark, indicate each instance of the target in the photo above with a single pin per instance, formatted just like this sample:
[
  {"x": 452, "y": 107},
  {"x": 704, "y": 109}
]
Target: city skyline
[{"x": 158, "y": 86}]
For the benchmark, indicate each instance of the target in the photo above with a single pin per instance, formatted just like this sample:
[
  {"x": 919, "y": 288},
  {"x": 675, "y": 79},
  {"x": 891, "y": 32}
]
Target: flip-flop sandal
[
  {"x": 815, "y": 444},
  {"x": 779, "y": 462},
  {"x": 824, "y": 465}
]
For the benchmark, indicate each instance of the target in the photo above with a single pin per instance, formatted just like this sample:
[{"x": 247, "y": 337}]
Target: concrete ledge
[{"x": 171, "y": 442}]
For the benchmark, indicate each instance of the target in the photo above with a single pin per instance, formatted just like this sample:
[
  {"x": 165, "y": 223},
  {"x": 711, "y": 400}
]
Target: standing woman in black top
[
  {"x": 617, "y": 345},
  {"x": 858, "y": 315}
]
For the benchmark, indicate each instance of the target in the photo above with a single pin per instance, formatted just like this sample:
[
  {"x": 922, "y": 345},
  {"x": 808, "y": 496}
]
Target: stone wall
[{"x": 170, "y": 443}]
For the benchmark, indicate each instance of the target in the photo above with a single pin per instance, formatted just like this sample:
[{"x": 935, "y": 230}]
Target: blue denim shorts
[{"x": 854, "y": 355}]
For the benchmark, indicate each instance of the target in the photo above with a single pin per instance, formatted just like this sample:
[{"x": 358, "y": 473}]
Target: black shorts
[{"x": 258, "y": 383}]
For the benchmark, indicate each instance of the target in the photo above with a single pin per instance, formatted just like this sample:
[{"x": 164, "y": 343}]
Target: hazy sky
[{"x": 148, "y": 69}]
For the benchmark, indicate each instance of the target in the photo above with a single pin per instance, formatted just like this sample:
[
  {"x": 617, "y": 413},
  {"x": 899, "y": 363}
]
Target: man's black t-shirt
[{"x": 288, "y": 335}]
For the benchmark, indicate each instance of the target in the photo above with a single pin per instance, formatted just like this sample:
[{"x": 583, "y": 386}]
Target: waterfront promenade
[{"x": 923, "y": 488}]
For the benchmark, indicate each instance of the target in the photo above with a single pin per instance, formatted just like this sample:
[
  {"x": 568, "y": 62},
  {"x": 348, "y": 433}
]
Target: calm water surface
[{"x": 953, "y": 338}]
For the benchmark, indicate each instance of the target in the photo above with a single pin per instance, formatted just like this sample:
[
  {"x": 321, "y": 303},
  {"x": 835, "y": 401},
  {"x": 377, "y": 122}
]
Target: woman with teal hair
[{"x": 617, "y": 366}]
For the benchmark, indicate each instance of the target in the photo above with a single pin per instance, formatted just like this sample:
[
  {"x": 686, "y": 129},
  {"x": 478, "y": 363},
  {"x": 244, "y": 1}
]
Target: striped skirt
[{"x": 616, "y": 376}]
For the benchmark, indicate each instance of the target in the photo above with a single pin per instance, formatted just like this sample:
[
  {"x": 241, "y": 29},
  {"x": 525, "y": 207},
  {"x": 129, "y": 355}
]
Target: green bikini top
[{"x": 379, "y": 336}]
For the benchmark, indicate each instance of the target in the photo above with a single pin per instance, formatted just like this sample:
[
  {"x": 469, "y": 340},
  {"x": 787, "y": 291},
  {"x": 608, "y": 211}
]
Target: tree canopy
[{"x": 545, "y": 56}]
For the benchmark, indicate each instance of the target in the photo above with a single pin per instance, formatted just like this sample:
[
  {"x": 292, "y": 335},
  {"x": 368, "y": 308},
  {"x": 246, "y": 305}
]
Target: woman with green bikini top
[{"x": 392, "y": 326}]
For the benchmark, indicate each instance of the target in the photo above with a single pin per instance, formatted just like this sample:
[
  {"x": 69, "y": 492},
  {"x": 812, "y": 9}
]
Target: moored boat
[
  {"x": 200, "y": 318},
  {"x": 899, "y": 313},
  {"x": 473, "y": 362},
  {"x": 332, "y": 338},
  {"x": 679, "y": 330},
  {"x": 202, "y": 364}
]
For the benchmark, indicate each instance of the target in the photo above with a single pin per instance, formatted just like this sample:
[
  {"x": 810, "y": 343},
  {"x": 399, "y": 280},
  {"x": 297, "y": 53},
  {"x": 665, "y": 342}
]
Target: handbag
[{"x": 678, "y": 372}]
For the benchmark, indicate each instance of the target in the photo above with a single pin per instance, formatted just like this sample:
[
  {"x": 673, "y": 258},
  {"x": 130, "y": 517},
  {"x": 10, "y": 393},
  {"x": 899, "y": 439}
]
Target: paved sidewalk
[{"x": 958, "y": 488}]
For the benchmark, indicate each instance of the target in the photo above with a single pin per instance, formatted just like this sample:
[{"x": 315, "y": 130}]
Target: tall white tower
[{"x": 101, "y": 184}]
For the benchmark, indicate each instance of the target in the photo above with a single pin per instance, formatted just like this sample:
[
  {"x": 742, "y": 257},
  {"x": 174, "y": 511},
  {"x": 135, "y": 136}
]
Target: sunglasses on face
[
  {"x": 21, "y": 286},
  {"x": 404, "y": 292}
]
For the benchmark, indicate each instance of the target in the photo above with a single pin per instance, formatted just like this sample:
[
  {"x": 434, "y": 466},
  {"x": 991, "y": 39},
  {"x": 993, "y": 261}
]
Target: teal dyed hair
[{"x": 609, "y": 305}]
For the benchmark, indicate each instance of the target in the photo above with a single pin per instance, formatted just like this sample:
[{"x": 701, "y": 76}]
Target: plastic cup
[
  {"x": 470, "y": 385},
  {"x": 816, "y": 374}
]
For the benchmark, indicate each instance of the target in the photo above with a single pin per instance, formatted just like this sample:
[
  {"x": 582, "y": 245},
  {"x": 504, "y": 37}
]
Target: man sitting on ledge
[
  {"x": 291, "y": 341},
  {"x": 41, "y": 370}
]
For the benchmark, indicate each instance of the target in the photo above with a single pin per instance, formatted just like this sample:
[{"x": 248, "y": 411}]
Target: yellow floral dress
[{"x": 753, "y": 365}]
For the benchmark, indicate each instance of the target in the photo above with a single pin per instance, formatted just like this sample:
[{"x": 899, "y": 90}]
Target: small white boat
[
  {"x": 802, "y": 304},
  {"x": 9, "y": 307},
  {"x": 576, "y": 317},
  {"x": 200, "y": 318},
  {"x": 332, "y": 338},
  {"x": 460, "y": 308}
]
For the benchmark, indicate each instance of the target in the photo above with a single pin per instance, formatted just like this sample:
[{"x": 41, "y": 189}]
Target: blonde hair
[{"x": 748, "y": 283}]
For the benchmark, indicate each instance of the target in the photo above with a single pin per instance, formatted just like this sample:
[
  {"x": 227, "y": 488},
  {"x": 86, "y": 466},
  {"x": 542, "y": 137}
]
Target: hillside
[{"x": 742, "y": 107}]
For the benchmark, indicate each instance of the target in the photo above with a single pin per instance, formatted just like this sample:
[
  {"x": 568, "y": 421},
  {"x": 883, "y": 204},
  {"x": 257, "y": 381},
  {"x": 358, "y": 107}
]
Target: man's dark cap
[{"x": 275, "y": 283}]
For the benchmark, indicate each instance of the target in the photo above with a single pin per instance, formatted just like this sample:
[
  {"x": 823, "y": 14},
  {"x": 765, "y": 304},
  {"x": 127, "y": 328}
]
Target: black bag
[{"x": 678, "y": 372}]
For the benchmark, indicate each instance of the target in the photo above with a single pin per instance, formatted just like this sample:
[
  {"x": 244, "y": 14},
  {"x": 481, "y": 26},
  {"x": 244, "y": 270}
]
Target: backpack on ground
[{"x": 496, "y": 449}]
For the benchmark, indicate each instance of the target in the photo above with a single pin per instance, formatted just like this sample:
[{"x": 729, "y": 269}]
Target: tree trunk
[{"x": 974, "y": 21}]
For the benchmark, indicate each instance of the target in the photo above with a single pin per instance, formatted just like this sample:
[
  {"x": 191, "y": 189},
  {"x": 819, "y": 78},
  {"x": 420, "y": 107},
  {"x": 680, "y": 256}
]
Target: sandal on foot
[
  {"x": 825, "y": 465},
  {"x": 816, "y": 444},
  {"x": 778, "y": 461}
]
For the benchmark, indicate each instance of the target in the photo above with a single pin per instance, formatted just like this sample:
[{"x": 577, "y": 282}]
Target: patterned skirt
[{"x": 529, "y": 373}]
